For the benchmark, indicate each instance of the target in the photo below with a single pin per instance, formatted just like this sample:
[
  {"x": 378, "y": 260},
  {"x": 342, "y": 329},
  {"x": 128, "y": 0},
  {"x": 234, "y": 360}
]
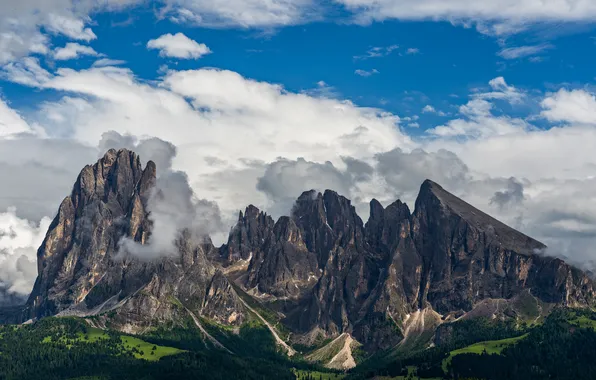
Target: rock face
[
  {"x": 81, "y": 270},
  {"x": 381, "y": 281},
  {"x": 328, "y": 273}
]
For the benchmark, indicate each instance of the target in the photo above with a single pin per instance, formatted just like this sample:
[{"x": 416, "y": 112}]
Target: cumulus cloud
[
  {"x": 11, "y": 123},
  {"x": 178, "y": 46},
  {"x": 19, "y": 240},
  {"x": 173, "y": 205},
  {"x": 404, "y": 172},
  {"x": 284, "y": 180},
  {"x": 501, "y": 90},
  {"x": 430, "y": 109},
  {"x": 576, "y": 106},
  {"x": 73, "y": 50},
  {"x": 236, "y": 141},
  {"x": 478, "y": 121},
  {"x": 173, "y": 209},
  {"x": 477, "y": 117}
]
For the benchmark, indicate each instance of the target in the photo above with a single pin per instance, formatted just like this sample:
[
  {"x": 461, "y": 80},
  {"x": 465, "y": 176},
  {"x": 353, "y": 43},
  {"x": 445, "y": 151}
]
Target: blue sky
[
  {"x": 256, "y": 101},
  {"x": 434, "y": 63}
]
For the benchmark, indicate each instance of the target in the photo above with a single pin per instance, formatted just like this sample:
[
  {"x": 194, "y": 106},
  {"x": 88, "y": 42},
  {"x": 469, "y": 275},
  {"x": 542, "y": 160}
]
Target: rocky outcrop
[
  {"x": 247, "y": 237},
  {"x": 83, "y": 272},
  {"x": 468, "y": 256}
]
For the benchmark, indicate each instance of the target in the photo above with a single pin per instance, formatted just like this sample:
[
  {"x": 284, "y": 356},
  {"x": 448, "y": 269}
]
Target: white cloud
[
  {"x": 253, "y": 13},
  {"x": 492, "y": 16},
  {"x": 377, "y": 52},
  {"x": 413, "y": 51},
  {"x": 243, "y": 141},
  {"x": 523, "y": 51},
  {"x": 479, "y": 122},
  {"x": 73, "y": 50},
  {"x": 11, "y": 123},
  {"x": 70, "y": 27},
  {"x": 243, "y": 123},
  {"x": 23, "y": 23},
  {"x": 178, "y": 46},
  {"x": 103, "y": 62},
  {"x": 501, "y": 90},
  {"x": 364, "y": 73},
  {"x": 19, "y": 240},
  {"x": 26, "y": 71},
  {"x": 430, "y": 109},
  {"x": 576, "y": 106}
]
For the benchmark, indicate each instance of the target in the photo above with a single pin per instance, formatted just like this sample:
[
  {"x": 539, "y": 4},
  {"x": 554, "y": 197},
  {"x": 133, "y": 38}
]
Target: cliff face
[
  {"x": 82, "y": 272},
  {"x": 468, "y": 256},
  {"x": 326, "y": 271},
  {"x": 372, "y": 280}
]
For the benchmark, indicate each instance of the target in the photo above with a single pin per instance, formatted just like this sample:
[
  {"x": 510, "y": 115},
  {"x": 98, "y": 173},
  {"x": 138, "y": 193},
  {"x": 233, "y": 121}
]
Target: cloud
[
  {"x": 11, "y": 123},
  {"x": 284, "y": 180},
  {"x": 73, "y": 50},
  {"x": 479, "y": 122},
  {"x": 413, "y": 51},
  {"x": 19, "y": 240},
  {"x": 514, "y": 194},
  {"x": 364, "y": 73},
  {"x": 523, "y": 51},
  {"x": 174, "y": 209},
  {"x": 239, "y": 13},
  {"x": 575, "y": 106},
  {"x": 244, "y": 123},
  {"x": 404, "y": 172},
  {"x": 178, "y": 46},
  {"x": 377, "y": 52},
  {"x": 239, "y": 141},
  {"x": 477, "y": 118},
  {"x": 430, "y": 109},
  {"x": 173, "y": 206},
  {"x": 26, "y": 71},
  {"x": 103, "y": 62},
  {"x": 497, "y": 17},
  {"x": 26, "y": 26},
  {"x": 501, "y": 90},
  {"x": 70, "y": 27}
]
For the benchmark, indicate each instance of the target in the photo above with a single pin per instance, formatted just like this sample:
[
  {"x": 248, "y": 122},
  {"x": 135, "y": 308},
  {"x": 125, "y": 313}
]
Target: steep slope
[
  {"x": 468, "y": 256},
  {"x": 82, "y": 271}
]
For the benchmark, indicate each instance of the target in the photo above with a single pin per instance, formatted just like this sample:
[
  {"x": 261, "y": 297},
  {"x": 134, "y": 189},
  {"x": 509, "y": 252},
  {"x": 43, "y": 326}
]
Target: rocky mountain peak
[
  {"x": 81, "y": 268},
  {"x": 436, "y": 204},
  {"x": 247, "y": 236}
]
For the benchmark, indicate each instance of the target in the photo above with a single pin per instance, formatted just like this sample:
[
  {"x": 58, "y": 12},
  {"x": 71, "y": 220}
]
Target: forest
[{"x": 561, "y": 347}]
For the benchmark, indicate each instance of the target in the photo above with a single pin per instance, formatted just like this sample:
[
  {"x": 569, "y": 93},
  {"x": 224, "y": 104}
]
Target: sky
[{"x": 254, "y": 102}]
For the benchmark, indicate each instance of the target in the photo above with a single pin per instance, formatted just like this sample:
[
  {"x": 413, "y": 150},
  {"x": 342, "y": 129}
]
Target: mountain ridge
[{"x": 321, "y": 269}]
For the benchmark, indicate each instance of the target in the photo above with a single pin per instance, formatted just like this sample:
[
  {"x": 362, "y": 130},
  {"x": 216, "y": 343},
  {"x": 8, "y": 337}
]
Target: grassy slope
[
  {"x": 584, "y": 322},
  {"x": 139, "y": 348},
  {"x": 303, "y": 374},
  {"x": 491, "y": 347}
]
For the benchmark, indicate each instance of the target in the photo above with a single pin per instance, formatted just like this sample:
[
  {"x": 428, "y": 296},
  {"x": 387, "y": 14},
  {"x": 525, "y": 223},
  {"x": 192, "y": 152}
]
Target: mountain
[
  {"x": 319, "y": 275},
  {"x": 387, "y": 279},
  {"x": 82, "y": 271}
]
